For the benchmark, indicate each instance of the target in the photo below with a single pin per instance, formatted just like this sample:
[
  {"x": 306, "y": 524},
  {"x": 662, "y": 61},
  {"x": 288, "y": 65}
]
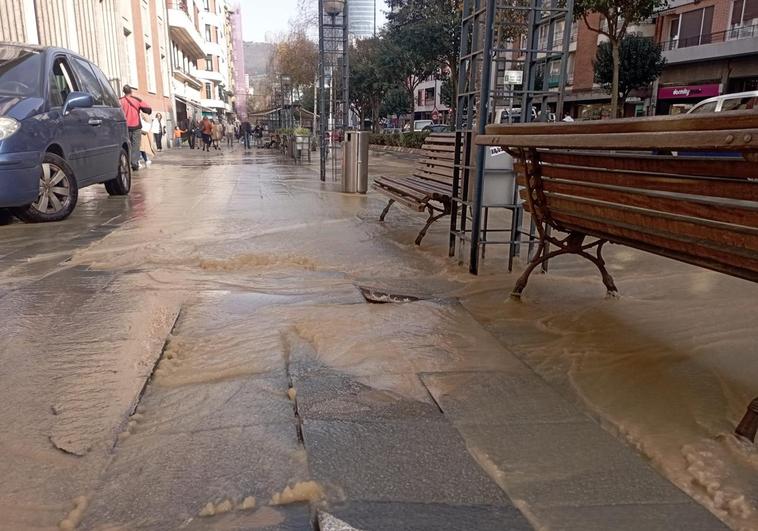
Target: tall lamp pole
[{"x": 333, "y": 33}]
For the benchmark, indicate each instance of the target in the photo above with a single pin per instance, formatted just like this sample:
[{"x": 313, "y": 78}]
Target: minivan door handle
[{"x": 94, "y": 122}]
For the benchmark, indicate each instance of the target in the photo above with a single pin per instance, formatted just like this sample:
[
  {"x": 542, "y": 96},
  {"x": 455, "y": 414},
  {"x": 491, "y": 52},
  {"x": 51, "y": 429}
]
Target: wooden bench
[
  {"x": 602, "y": 180},
  {"x": 430, "y": 187}
]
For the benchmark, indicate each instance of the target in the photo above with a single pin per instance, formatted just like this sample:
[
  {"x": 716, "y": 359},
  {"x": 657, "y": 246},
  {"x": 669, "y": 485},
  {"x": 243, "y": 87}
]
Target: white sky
[{"x": 262, "y": 20}]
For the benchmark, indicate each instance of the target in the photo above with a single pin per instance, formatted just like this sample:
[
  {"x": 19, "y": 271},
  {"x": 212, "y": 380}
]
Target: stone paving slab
[
  {"x": 331, "y": 396},
  {"x": 296, "y": 517},
  {"x": 396, "y": 461},
  {"x": 214, "y": 405},
  {"x": 555, "y": 461},
  {"x": 499, "y": 398},
  {"x": 383, "y": 516},
  {"x": 161, "y": 482},
  {"x": 647, "y": 517}
]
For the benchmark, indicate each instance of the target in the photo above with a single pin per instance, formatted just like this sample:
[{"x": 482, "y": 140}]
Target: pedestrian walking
[
  {"x": 217, "y": 133},
  {"x": 258, "y": 135},
  {"x": 192, "y": 134},
  {"x": 178, "y": 136},
  {"x": 230, "y": 135},
  {"x": 158, "y": 130},
  {"x": 206, "y": 128},
  {"x": 131, "y": 105},
  {"x": 247, "y": 131},
  {"x": 146, "y": 145}
]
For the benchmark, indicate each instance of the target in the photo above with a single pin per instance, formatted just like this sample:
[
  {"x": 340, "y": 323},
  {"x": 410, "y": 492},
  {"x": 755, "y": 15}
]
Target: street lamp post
[{"x": 333, "y": 39}]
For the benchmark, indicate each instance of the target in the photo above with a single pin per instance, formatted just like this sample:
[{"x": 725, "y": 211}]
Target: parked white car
[{"x": 727, "y": 102}]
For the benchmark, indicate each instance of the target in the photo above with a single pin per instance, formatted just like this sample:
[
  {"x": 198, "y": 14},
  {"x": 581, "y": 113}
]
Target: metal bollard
[{"x": 749, "y": 424}]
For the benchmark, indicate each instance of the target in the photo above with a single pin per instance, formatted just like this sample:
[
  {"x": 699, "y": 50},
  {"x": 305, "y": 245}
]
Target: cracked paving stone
[
  {"x": 161, "y": 481},
  {"x": 397, "y": 461},
  {"x": 380, "y": 516}
]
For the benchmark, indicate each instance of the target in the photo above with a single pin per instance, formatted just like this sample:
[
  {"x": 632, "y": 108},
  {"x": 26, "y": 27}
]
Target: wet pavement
[{"x": 200, "y": 355}]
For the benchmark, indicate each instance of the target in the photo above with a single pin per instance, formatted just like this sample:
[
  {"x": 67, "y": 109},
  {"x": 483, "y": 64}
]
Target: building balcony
[
  {"x": 210, "y": 75},
  {"x": 186, "y": 78},
  {"x": 219, "y": 105},
  {"x": 182, "y": 31},
  {"x": 741, "y": 40}
]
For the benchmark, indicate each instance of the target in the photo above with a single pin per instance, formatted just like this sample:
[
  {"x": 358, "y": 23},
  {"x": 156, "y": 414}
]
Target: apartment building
[
  {"x": 241, "y": 80},
  {"x": 427, "y": 104},
  {"x": 213, "y": 68},
  {"x": 128, "y": 39},
  {"x": 187, "y": 48},
  {"x": 711, "y": 48}
]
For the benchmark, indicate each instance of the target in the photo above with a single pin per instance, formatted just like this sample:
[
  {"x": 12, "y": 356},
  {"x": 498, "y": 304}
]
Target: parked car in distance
[
  {"x": 418, "y": 125},
  {"x": 438, "y": 128},
  {"x": 391, "y": 130},
  {"x": 61, "y": 129},
  {"x": 727, "y": 102}
]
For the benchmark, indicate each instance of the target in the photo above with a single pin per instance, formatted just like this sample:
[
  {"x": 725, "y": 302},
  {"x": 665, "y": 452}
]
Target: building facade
[
  {"x": 361, "y": 18},
  {"x": 427, "y": 104},
  {"x": 711, "y": 48},
  {"x": 213, "y": 69},
  {"x": 187, "y": 48},
  {"x": 241, "y": 79},
  {"x": 127, "y": 39}
]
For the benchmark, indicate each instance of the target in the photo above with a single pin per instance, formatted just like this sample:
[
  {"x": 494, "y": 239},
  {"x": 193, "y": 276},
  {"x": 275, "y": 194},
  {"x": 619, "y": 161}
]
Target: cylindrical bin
[{"x": 355, "y": 162}]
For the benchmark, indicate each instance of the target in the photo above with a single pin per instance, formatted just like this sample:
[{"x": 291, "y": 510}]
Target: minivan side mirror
[{"x": 77, "y": 100}]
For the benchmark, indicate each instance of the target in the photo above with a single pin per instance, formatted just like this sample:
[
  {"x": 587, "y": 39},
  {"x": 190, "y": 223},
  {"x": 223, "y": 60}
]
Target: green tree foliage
[
  {"x": 396, "y": 102},
  {"x": 370, "y": 77},
  {"x": 641, "y": 62},
  {"x": 424, "y": 36},
  {"x": 617, "y": 16}
]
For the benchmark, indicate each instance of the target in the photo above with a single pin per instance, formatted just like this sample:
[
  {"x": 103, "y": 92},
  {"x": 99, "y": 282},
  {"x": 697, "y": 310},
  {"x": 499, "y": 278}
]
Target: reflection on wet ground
[{"x": 202, "y": 355}]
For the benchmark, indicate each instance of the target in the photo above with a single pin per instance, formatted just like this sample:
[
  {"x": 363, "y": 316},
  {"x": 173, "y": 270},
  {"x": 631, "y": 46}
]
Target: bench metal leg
[
  {"x": 748, "y": 427},
  {"x": 386, "y": 209},
  {"x": 572, "y": 244},
  {"x": 432, "y": 218}
]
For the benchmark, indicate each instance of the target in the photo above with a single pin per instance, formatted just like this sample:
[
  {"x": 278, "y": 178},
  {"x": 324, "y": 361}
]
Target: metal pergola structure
[
  {"x": 333, "y": 79},
  {"x": 512, "y": 68}
]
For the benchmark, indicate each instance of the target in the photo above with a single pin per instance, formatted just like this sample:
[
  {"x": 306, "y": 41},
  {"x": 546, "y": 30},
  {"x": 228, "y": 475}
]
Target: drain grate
[{"x": 376, "y": 296}]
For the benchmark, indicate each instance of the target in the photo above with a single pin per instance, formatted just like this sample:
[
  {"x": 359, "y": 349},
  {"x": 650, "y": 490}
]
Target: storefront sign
[{"x": 689, "y": 91}]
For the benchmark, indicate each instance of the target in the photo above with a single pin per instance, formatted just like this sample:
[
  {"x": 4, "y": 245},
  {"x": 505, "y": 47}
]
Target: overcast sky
[{"x": 262, "y": 20}]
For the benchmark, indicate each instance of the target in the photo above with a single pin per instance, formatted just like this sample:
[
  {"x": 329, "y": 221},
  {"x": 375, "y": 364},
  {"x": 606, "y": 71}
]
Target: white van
[{"x": 727, "y": 102}]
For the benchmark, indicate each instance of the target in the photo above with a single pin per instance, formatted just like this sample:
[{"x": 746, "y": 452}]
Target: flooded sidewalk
[{"x": 202, "y": 355}]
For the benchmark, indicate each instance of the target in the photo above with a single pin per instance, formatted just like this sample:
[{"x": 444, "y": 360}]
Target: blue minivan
[{"x": 61, "y": 128}]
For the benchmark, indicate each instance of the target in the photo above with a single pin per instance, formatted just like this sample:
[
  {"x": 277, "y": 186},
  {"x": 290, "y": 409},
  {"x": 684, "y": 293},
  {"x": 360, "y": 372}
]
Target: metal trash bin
[{"x": 355, "y": 162}]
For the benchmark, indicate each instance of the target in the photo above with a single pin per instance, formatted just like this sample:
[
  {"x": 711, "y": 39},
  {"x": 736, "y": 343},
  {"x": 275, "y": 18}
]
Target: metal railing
[
  {"x": 733, "y": 34},
  {"x": 178, "y": 4}
]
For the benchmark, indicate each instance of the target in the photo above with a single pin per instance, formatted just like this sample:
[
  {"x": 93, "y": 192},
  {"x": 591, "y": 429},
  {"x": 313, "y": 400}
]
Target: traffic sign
[{"x": 513, "y": 77}]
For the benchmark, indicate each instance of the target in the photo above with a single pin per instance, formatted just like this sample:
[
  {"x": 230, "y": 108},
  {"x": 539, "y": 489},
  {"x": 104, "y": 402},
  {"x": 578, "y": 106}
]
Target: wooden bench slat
[
  {"x": 720, "y": 236},
  {"x": 746, "y": 215},
  {"x": 687, "y": 251},
  {"x": 687, "y": 166},
  {"x": 744, "y": 140},
  {"x": 425, "y": 188},
  {"x": 726, "y": 188},
  {"x": 445, "y": 173},
  {"x": 404, "y": 188},
  {"x": 403, "y": 200}
]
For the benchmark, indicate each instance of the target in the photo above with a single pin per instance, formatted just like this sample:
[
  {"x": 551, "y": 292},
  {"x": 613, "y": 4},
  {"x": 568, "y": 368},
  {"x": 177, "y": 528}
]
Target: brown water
[{"x": 670, "y": 366}]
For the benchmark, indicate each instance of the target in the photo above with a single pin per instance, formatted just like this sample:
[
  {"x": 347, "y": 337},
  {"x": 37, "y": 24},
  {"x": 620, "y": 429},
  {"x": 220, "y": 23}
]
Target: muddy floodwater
[{"x": 173, "y": 338}]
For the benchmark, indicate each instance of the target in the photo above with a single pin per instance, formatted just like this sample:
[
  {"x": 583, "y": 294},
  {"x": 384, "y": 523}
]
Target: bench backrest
[
  {"x": 437, "y": 161},
  {"x": 699, "y": 209}
]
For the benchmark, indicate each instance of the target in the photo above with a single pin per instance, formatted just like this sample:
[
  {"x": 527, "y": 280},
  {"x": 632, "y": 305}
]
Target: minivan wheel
[
  {"x": 122, "y": 183},
  {"x": 58, "y": 193}
]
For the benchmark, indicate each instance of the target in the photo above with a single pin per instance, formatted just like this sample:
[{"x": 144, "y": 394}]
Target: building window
[
  {"x": 206, "y": 5},
  {"x": 209, "y": 63},
  {"x": 208, "y": 91},
  {"x": 695, "y": 27},
  {"x": 208, "y": 36},
  {"x": 150, "y": 68},
  {"x": 429, "y": 95}
]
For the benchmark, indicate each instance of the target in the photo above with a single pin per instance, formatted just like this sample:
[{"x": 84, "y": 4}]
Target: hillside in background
[{"x": 257, "y": 56}]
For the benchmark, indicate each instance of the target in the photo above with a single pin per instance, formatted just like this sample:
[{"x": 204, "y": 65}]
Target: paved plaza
[{"x": 199, "y": 355}]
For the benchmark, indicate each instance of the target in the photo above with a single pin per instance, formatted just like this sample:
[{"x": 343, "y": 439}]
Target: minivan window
[
  {"x": 109, "y": 96},
  {"x": 61, "y": 83},
  {"x": 738, "y": 104},
  {"x": 89, "y": 82},
  {"x": 705, "y": 108},
  {"x": 19, "y": 71}
]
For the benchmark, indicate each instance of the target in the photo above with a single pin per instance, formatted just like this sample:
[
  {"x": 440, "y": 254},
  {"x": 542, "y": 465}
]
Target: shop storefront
[{"x": 680, "y": 99}]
